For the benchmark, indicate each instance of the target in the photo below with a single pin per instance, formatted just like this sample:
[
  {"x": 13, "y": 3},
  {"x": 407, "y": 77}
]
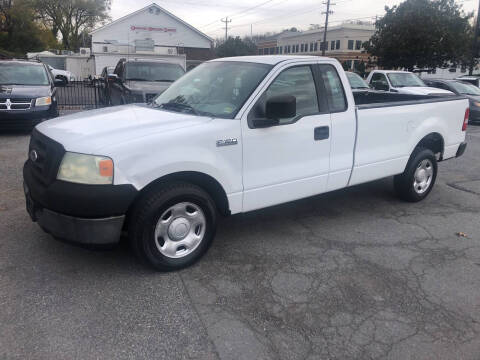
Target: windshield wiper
[
  {"x": 178, "y": 106},
  {"x": 165, "y": 80},
  {"x": 135, "y": 79}
]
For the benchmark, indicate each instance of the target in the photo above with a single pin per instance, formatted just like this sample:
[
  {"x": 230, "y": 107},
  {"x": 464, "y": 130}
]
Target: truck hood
[
  {"x": 90, "y": 131},
  {"x": 422, "y": 90}
]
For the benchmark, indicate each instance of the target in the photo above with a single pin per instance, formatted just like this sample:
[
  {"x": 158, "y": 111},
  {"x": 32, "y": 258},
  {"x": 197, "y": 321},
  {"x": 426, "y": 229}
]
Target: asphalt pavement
[{"x": 354, "y": 274}]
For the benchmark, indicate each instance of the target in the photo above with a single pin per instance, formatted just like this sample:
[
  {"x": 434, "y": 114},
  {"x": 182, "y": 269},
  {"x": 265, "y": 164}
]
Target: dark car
[
  {"x": 140, "y": 81},
  {"x": 102, "y": 83},
  {"x": 27, "y": 94},
  {"x": 461, "y": 88}
]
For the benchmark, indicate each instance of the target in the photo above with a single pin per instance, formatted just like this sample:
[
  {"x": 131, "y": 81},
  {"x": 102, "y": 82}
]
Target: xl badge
[{"x": 33, "y": 155}]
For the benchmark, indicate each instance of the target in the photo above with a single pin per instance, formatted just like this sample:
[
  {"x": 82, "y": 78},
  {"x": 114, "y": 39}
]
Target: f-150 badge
[{"x": 227, "y": 142}]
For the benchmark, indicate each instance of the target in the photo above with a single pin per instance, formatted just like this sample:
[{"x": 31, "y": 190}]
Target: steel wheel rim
[
  {"x": 422, "y": 179},
  {"x": 180, "y": 230}
]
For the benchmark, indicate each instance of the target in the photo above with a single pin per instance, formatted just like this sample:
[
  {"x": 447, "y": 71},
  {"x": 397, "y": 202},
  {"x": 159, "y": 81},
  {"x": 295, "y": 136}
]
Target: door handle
[{"x": 321, "y": 133}]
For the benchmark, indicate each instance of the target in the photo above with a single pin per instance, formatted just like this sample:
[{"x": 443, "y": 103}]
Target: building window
[
  {"x": 338, "y": 44},
  {"x": 105, "y": 49},
  {"x": 358, "y": 45},
  {"x": 302, "y": 48},
  {"x": 315, "y": 46},
  {"x": 349, "y": 63},
  {"x": 306, "y": 47},
  {"x": 260, "y": 51},
  {"x": 332, "y": 45},
  {"x": 297, "y": 47},
  {"x": 350, "y": 44},
  {"x": 281, "y": 49},
  {"x": 272, "y": 51},
  {"x": 311, "y": 46}
]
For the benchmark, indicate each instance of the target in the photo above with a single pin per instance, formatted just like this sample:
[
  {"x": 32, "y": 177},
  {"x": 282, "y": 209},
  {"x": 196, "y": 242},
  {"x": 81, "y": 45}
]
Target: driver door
[{"x": 290, "y": 160}]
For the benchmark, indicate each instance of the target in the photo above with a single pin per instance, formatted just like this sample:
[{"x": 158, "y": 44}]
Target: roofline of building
[
  {"x": 284, "y": 34},
  {"x": 161, "y": 9}
]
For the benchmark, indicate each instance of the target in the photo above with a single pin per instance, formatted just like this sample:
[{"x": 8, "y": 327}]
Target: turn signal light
[
  {"x": 106, "y": 167},
  {"x": 465, "y": 119}
]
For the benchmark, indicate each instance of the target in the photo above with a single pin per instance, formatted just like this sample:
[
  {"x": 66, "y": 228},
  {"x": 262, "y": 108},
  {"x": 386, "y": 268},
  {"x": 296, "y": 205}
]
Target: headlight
[
  {"x": 86, "y": 169},
  {"x": 43, "y": 101},
  {"x": 476, "y": 103}
]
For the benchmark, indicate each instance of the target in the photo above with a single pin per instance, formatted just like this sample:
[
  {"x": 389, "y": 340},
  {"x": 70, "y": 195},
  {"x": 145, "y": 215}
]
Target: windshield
[
  {"x": 217, "y": 89},
  {"x": 356, "y": 82},
  {"x": 465, "y": 89},
  {"x": 405, "y": 79},
  {"x": 22, "y": 74},
  {"x": 153, "y": 71}
]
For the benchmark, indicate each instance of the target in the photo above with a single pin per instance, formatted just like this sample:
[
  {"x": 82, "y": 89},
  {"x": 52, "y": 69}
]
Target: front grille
[
  {"x": 15, "y": 104},
  {"x": 149, "y": 97},
  {"x": 48, "y": 157}
]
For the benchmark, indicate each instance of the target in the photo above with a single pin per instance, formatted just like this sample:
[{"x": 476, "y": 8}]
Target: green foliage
[
  {"x": 235, "y": 47},
  {"x": 360, "y": 69},
  {"x": 71, "y": 18},
  {"x": 19, "y": 32},
  {"x": 423, "y": 33}
]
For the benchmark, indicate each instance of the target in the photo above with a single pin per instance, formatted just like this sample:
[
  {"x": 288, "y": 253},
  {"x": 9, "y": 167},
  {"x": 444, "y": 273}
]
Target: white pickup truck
[
  {"x": 231, "y": 136},
  {"x": 402, "y": 82}
]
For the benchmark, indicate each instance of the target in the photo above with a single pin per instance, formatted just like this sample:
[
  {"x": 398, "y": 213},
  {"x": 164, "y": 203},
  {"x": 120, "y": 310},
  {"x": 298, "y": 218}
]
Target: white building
[
  {"x": 344, "y": 42},
  {"x": 150, "y": 32}
]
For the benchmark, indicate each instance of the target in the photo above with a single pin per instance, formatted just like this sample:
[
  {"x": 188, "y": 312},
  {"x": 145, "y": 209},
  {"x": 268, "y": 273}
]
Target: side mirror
[
  {"x": 276, "y": 108},
  {"x": 113, "y": 78},
  {"x": 281, "y": 107},
  {"x": 59, "y": 82}
]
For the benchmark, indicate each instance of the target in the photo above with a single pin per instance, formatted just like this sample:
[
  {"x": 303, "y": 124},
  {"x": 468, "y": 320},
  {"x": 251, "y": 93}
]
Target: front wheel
[
  {"x": 173, "y": 225},
  {"x": 418, "y": 179}
]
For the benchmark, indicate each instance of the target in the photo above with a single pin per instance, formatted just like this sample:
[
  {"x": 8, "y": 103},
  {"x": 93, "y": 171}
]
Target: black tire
[
  {"x": 147, "y": 212},
  {"x": 405, "y": 183}
]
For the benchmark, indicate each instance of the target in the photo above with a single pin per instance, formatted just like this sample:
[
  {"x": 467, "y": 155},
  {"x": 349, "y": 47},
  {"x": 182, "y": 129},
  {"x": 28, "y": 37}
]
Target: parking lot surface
[{"x": 355, "y": 274}]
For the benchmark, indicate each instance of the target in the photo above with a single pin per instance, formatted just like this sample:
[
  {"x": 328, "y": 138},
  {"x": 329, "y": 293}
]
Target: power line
[
  {"x": 238, "y": 13},
  {"x": 226, "y": 21}
]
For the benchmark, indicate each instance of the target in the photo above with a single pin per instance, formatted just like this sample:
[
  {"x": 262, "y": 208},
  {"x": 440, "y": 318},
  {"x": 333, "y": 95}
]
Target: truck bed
[
  {"x": 381, "y": 99},
  {"x": 389, "y": 126}
]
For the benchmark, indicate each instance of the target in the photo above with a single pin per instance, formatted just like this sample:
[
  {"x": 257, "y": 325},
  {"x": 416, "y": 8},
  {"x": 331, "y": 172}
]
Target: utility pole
[
  {"x": 476, "y": 34},
  {"x": 226, "y": 21},
  {"x": 328, "y": 12}
]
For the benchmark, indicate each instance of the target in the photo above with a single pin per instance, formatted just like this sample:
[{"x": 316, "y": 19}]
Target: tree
[
  {"x": 235, "y": 47},
  {"x": 71, "y": 18},
  {"x": 19, "y": 32},
  {"x": 422, "y": 33}
]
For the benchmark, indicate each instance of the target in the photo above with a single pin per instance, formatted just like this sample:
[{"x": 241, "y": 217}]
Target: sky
[{"x": 261, "y": 16}]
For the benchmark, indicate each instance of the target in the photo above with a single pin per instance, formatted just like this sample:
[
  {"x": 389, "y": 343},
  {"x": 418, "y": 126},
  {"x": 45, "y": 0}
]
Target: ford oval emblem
[{"x": 33, "y": 155}]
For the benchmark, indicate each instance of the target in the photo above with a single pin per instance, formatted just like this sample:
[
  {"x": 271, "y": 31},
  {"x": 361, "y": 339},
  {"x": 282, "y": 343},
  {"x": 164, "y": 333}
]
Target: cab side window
[
  {"x": 337, "y": 101},
  {"x": 297, "y": 81},
  {"x": 379, "y": 81}
]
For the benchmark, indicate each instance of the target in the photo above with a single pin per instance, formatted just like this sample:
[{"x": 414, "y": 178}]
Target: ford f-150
[{"x": 231, "y": 136}]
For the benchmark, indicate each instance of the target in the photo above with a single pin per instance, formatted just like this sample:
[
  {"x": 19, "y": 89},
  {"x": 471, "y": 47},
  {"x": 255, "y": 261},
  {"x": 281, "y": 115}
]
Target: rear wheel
[
  {"x": 418, "y": 179},
  {"x": 173, "y": 225}
]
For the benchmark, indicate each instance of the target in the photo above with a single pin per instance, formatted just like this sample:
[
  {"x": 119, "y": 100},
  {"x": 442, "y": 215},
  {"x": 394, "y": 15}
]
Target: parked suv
[
  {"x": 27, "y": 93},
  {"x": 141, "y": 80}
]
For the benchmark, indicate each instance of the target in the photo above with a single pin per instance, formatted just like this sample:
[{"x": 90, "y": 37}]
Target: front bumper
[
  {"x": 17, "y": 119},
  {"x": 86, "y": 214},
  {"x": 102, "y": 231}
]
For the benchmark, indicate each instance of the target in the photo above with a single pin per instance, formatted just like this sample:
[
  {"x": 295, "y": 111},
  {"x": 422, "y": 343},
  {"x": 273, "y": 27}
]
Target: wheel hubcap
[
  {"x": 423, "y": 176},
  {"x": 180, "y": 230}
]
